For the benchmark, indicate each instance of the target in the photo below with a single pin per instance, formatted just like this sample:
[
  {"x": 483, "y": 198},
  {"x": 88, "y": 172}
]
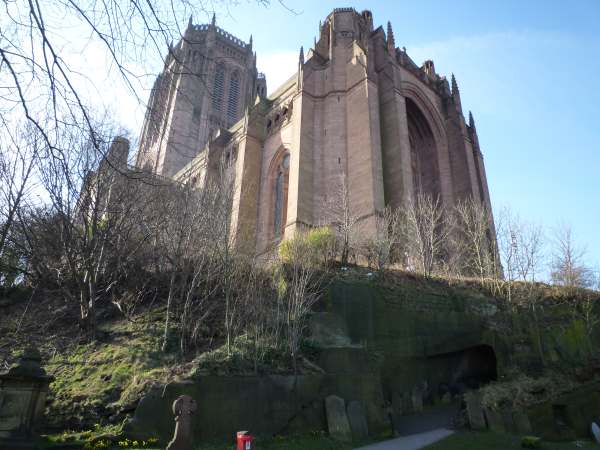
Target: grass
[
  {"x": 93, "y": 376},
  {"x": 463, "y": 440},
  {"x": 471, "y": 440},
  {"x": 311, "y": 441}
]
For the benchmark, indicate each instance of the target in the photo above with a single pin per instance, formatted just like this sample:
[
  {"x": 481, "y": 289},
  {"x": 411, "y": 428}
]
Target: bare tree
[
  {"x": 531, "y": 251},
  {"x": 568, "y": 267},
  {"x": 473, "y": 238},
  {"x": 81, "y": 239},
  {"x": 520, "y": 247},
  {"x": 425, "y": 232},
  {"x": 341, "y": 214},
  {"x": 18, "y": 156},
  {"x": 300, "y": 283},
  {"x": 378, "y": 248}
]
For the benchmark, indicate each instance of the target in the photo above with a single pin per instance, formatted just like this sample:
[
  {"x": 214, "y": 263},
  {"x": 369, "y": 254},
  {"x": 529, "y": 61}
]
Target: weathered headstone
[
  {"x": 398, "y": 403},
  {"x": 183, "y": 408},
  {"x": 494, "y": 420},
  {"x": 475, "y": 411},
  {"x": 407, "y": 405},
  {"x": 507, "y": 418},
  {"x": 521, "y": 421},
  {"x": 358, "y": 420},
  {"x": 446, "y": 398},
  {"x": 337, "y": 420},
  {"x": 596, "y": 431},
  {"x": 417, "y": 399},
  {"x": 23, "y": 392}
]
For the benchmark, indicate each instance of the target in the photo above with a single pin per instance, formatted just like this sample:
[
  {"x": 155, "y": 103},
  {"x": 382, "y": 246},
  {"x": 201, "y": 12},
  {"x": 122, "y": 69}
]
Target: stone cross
[{"x": 183, "y": 408}]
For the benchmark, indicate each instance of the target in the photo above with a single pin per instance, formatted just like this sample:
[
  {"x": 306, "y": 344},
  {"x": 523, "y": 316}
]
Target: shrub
[
  {"x": 321, "y": 241},
  {"x": 531, "y": 442},
  {"x": 315, "y": 247}
]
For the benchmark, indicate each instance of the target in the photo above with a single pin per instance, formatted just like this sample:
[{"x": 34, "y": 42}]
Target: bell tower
[{"x": 208, "y": 81}]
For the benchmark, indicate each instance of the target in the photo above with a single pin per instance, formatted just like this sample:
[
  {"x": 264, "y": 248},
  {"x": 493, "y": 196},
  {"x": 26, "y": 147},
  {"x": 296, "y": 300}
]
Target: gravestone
[
  {"x": 494, "y": 420},
  {"x": 475, "y": 411},
  {"x": 358, "y": 420},
  {"x": 398, "y": 403},
  {"x": 337, "y": 420},
  {"x": 407, "y": 405},
  {"x": 507, "y": 418},
  {"x": 183, "y": 408},
  {"x": 23, "y": 392},
  {"x": 521, "y": 421},
  {"x": 417, "y": 399}
]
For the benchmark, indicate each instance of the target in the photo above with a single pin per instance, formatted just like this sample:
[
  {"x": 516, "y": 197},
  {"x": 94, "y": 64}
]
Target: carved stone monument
[
  {"x": 183, "y": 408},
  {"x": 23, "y": 392}
]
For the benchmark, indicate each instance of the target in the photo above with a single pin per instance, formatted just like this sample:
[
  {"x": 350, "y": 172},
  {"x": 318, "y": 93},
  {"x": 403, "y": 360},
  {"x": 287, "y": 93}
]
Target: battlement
[
  {"x": 221, "y": 32},
  {"x": 339, "y": 10}
]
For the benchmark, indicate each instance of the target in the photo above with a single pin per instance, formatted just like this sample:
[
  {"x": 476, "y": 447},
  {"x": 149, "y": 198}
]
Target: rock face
[
  {"x": 475, "y": 411},
  {"x": 358, "y": 420},
  {"x": 183, "y": 408},
  {"x": 337, "y": 420},
  {"x": 270, "y": 404}
]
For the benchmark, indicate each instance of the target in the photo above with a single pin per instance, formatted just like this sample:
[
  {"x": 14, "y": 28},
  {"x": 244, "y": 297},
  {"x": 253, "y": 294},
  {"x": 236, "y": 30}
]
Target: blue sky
[{"x": 529, "y": 71}]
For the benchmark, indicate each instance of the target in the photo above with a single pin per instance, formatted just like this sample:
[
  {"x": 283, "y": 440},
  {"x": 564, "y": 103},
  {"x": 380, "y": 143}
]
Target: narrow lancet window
[{"x": 280, "y": 207}]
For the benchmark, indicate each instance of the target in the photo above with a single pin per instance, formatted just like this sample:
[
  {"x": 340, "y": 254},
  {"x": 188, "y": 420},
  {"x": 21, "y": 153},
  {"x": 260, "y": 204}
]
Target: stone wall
[{"x": 265, "y": 405}]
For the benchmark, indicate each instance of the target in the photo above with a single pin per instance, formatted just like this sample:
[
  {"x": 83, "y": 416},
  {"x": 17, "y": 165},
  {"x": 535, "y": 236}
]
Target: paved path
[{"x": 412, "y": 442}]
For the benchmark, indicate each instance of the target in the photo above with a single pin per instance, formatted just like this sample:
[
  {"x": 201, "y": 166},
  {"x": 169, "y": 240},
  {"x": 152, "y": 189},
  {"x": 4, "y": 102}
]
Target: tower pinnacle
[
  {"x": 471, "y": 121},
  {"x": 391, "y": 44},
  {"x": 213, "y": 22},
  {"x": 454, "y": 85},
  {"x": 301, "y": 58}
]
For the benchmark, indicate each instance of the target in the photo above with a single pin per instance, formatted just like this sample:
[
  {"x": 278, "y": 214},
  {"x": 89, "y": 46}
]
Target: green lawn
[
  {"x": 312, "y": 441},
  {"x": 470, "y": 440},
  {"x": 464, "y": 440}
]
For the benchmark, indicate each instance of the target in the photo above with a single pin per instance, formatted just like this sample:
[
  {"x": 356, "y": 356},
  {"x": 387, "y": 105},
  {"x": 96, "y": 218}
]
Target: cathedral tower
[{"x": 208, "y": 81}]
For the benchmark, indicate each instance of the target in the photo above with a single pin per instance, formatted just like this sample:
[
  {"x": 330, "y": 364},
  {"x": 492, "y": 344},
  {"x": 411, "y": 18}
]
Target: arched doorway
[{"x": 424, "y": 152}]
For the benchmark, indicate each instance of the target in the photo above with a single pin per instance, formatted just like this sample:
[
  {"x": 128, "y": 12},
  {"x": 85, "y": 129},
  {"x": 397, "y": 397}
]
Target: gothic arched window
[
  {"x": 232, "y": 101},
  {"x": 280, "y": 191},
  {"x": 218, "y": 90}
]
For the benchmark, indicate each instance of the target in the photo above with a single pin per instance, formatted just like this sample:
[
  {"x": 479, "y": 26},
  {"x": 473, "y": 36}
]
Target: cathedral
[{"x": 358, "y": 109}]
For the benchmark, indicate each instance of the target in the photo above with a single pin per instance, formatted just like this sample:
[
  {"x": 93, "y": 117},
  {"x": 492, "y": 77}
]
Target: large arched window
[
  {"x": 424, "y": 152},
  {"x": 232, "y": 101},
  {"x": 280, "y": 194},
  {"x": 218, "y": 90}
]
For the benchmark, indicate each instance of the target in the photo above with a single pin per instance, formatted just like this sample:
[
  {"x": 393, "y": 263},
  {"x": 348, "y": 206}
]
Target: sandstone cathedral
[{"x": 358, "y": 109}]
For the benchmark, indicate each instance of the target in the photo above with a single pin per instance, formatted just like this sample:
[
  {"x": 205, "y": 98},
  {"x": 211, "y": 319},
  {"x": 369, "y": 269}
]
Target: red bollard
[{"x": 244, "y": 440}]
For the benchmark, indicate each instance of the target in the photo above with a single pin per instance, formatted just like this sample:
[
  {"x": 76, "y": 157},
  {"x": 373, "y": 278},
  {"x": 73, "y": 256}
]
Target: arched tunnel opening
[
  {"x": 444, "y": 378},
  {"x": 465, "y": 369}
]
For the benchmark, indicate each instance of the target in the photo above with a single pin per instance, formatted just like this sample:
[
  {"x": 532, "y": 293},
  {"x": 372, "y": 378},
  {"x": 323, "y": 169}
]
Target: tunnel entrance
[
  {"x": 465, "y": 369},
  {"x": 445, "y": 375},
  {"x": 426, "y": 393}
]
